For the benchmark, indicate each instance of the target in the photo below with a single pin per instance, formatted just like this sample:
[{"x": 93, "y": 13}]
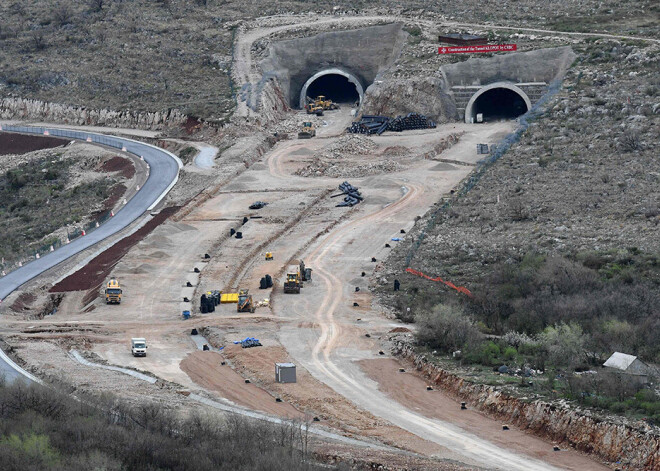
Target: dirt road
[{"x": 319, "y": 329}]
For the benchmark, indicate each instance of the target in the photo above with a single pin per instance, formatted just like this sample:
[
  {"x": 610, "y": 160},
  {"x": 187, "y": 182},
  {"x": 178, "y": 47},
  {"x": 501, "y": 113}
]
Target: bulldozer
[
  {"x": 307, "y": 131},
  {"x": 293, "y": 281},
  {"x": 325, "y": 104},
  {"x": 313, "y": 108},
  {"x": 245, "y": 302}
]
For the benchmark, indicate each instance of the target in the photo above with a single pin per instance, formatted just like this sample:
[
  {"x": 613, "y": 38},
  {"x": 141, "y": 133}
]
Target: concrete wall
[
  {"x": 542, "y": 65},
  {"x": 363, "y": 53},
  {"x": 530, "y": 72}
]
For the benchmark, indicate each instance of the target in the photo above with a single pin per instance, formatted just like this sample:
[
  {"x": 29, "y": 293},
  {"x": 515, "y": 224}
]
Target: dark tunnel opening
[
  {"x": 335, "y": 87},
  {"x": 499, "y": 103}
]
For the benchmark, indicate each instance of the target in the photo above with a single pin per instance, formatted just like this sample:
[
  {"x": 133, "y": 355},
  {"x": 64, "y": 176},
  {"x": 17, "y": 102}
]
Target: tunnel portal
[
  {"x": 337, "y": 84},
  {"x": 496, "y": 102},
  {"x": 335, "y": 87}
]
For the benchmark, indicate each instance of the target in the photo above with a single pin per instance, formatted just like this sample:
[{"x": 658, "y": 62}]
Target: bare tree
[
  {"x": 62, "y": 14},
  {"x": 96, "y": 5},
  {"x": 630, "y": 141},
  {"x": 38, "y": 40}
]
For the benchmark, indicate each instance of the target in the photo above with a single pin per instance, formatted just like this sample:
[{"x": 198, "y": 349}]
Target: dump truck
[
  {"x": 245, "y": 302},
  {"x": 113, "y": 292},
  {"x": 293, "y": 281},
  {"x": 313, "y": 108},
  {"x": 325, "y": 103},
  {"x": 139, "y": 347},
  {"x": 307, "y": 131}
]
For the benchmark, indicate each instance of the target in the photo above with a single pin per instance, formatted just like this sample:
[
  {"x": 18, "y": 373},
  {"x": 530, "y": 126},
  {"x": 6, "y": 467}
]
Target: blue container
[{"x": 186, "y": 314}]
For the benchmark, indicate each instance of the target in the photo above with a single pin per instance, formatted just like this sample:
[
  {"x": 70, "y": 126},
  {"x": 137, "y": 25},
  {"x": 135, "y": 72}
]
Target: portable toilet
[{"x": 285, "y": 372}]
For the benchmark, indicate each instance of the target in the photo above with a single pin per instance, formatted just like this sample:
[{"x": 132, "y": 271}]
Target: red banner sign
[{"x": 473, "y": 49}]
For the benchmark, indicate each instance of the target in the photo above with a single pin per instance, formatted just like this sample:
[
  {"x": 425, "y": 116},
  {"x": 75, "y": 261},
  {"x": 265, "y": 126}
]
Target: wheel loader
[
  {"x": 325, "y": 104},
  {"x": 307, "y": 131},
  {"x": 245, "y": 302},
  {"x": 293, "y": 281}
]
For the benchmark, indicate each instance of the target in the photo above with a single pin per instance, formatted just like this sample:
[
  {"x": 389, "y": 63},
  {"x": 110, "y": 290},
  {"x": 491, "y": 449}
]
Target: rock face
[
  {"x": 635, "y": 448},
  {"x": 400, "y": 97},
  {"x": 19, "y": 108},
  {"x": 541, "y": 65}
]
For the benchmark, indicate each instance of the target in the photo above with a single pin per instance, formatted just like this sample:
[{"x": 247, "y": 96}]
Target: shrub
[
  {"x": 486, "y": 353},
  {"x": 564, "y": 344},
  {"x": 446, "y": 328}
]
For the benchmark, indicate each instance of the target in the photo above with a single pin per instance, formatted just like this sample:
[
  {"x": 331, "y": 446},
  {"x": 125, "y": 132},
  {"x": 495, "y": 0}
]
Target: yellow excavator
[
  {"x": 307, "y": 131},
  {"x": 245, "y": 302}
]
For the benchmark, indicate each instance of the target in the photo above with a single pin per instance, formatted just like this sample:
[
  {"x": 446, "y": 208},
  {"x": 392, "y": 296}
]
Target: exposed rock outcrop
[
  {"x": 400, "y": 97},
  {"x": 20, "y": 108},
  {"x": 633, "y": 447}
]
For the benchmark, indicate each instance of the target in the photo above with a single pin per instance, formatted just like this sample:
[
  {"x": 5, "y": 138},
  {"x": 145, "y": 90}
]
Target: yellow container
[{"x": 229, "y": 298}]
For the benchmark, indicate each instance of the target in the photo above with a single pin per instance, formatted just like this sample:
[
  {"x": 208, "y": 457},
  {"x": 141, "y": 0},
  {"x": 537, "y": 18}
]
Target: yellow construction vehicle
[
  {"x": 113, "y": 292},
  {"x": 269, "y": 255},
  {"x": 245, "y": 303},
  {"x": 313, "y": 108},
  {"x": 325, "y": 104},
  {"x": 293, "y": 281},
  {"x": 307, "y": 131}
]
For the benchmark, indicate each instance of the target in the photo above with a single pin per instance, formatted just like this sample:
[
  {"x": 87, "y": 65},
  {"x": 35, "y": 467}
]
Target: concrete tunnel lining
[
  {"x": 333, "y": 71},
  {"x": 469, "y": 109}
]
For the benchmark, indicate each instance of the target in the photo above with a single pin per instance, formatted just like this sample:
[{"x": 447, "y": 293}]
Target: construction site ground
[{"x": 342, "y": 378}]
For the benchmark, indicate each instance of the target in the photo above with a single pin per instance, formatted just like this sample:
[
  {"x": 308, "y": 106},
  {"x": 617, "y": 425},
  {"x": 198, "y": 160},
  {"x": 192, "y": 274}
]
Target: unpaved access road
[
  {"x": 319, "y": 329},
  {"x": 336, "y": 345}
]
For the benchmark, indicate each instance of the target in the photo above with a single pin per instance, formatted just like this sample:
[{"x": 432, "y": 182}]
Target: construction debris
[
  {"x": 370, "y": 124},
  {"x": 248, "y": 342},
  {"x": 353, "y": 196}
]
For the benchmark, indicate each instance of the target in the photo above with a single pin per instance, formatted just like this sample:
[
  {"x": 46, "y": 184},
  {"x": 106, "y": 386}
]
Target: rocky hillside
[{"x": 153, "y": 56}]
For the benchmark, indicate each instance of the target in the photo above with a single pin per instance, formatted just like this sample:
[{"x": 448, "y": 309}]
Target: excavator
[{"x": 245, "y": 302}]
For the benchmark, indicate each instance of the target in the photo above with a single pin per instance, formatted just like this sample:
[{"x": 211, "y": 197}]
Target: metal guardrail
[{"x": 92, "y": 225}]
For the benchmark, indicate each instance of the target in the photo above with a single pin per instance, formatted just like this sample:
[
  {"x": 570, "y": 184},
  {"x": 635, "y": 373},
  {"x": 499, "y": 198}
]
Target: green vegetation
[
  {"x": 559, "y": 316},
  {"x": 43, "y": 429},
  {"x": 186, "y": 154},
  {"x": 37, "y": 198}
]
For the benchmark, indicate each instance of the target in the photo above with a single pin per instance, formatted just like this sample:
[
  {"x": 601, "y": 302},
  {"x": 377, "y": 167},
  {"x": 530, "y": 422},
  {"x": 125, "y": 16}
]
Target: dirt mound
[
  {"x": 350, "y": 144},
  {"x": 23, "y": 302},
  {"x": 320, "y": 168},
  {"x": 119, "y": 164},
  {"x": 94, "y": 273},
  {"x": 22, "y": 144},
  {"x": 399, "y": 329}
]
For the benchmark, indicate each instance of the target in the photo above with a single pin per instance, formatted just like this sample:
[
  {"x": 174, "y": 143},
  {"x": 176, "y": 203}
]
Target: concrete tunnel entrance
[
  {"x": 336, "y": 84},
  {"x": 497, "y": 102}
]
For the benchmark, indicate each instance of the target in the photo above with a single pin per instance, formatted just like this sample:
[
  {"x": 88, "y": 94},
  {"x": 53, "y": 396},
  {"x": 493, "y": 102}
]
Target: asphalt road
[{"x": 163, "y": 174}]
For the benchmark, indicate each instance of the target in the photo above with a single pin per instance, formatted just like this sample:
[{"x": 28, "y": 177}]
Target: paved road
[{"x": 163, "y": 174}]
